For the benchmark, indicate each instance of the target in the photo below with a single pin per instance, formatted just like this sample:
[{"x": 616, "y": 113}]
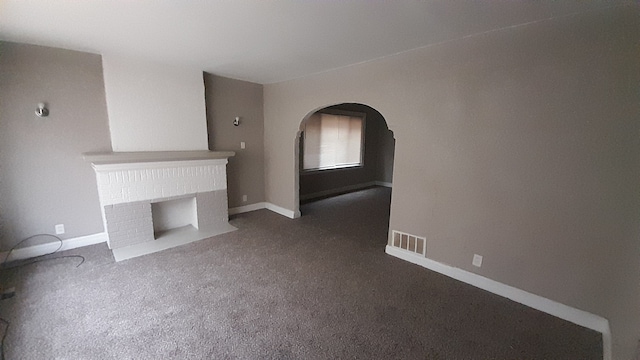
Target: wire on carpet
[
  {"x": 39, "y": 258},
  {"x": 6, "y": 330},
  {"x": 28, "y": 262}
]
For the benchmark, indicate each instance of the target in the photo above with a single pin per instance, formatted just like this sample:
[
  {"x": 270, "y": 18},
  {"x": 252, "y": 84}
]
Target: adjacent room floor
[{"x": 317, "y": 287}]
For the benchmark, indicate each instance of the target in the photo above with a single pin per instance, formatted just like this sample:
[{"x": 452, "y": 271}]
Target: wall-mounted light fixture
[
  {"x": 236, "y": 121},
  {"x": 42, "y": 110}
]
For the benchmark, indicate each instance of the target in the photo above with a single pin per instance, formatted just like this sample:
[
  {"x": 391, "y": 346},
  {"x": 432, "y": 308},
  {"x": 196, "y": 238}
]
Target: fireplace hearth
[{"x": 152, "y": 201}]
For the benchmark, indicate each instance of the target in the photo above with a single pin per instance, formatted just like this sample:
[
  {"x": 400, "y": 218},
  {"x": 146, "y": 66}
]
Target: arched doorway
[{"x": 348, "y": 165}]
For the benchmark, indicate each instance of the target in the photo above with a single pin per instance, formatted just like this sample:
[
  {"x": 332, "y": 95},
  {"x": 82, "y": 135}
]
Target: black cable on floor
[
  {"x": 6, "y": 330},
  {"x": 29, "y": 262},
  {"x": 38, "y": 258},
  {"x": 33, "y": 260},
  {"x": 29, "y": 238}
]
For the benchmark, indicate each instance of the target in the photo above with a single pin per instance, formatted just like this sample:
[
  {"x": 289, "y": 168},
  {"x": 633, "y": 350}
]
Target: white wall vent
[{"x": 413, "y": 243}]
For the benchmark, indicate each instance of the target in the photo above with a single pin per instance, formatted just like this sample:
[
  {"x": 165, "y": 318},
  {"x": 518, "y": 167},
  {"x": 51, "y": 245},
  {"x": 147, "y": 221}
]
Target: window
[{"x": 333, "y": 140}]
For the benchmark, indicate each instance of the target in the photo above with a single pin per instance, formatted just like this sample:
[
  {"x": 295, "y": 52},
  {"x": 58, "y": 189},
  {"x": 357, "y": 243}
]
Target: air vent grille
[{"x": 413, "y": 243}]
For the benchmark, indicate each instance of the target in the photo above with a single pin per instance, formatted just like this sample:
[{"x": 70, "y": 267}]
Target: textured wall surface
[
  {"x": 212, "y": 209},
  {"x": 132, "y": 223},
  {"x": 128, "y": 224},
  {"x": 122, "y": 183},
  {"x": 127, "y": 190}
]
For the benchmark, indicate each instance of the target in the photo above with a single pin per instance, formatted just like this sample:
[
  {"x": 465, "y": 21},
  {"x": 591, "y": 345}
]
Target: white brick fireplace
[{"x": 151, "y": 201}]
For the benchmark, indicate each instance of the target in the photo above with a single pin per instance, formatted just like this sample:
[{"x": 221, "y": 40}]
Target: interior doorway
[{"x": 340, "y": 149}]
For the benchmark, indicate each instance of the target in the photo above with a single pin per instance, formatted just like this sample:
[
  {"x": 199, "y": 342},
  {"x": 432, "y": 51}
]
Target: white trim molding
[
  {"x": 282, "y": 211},
  {"x": 130, "y": 182},
  {"x": 265, "y": 205},
  {"x": 562, "y": 311},
  {"x": 247, "y": 208},
  {"x": 43, "y": 249},
  {"x": 153, "y": 156},
  {"x": 104, "y": 168},
  {"x": 383, "y": 183},
  {"x": 337, "y": 191}
]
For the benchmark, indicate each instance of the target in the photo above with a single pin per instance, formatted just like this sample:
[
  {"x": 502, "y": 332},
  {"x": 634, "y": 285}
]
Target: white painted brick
[{"x": 153, "y": 183}]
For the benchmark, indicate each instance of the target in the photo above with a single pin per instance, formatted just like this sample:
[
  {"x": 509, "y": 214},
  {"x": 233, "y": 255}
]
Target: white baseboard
[
  {"x": 247, "y": 208},
  {"x": 67, "y": 244},
  {"x": 339, "y": 190},
  {"x": 576, "y": 316},
  {"x": 265, "y": 205},
  {"x": 282, "y": 211},
  {"x": 383, "y": 183}
]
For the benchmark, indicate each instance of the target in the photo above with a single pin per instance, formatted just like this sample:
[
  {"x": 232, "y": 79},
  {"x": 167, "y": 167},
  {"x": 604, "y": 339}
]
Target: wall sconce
[
  {"x": 42, "y": 110},
  {"x": 236, "y": 121}
]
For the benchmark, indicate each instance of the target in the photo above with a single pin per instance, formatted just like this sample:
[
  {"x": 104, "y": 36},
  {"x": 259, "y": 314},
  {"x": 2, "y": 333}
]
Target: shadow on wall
[{"x": 343, "y": 148}]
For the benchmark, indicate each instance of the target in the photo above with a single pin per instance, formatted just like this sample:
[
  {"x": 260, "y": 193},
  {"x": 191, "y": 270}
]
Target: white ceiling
[{"x": 265, "y": 41}]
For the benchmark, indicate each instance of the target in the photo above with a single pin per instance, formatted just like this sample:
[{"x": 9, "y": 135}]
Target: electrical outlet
[
  {"x": 244, "y": 198},
  {"x": 59, "y": 229},
  {"x": 477, "y": 260},
  {"x": 242, "y": 145}
]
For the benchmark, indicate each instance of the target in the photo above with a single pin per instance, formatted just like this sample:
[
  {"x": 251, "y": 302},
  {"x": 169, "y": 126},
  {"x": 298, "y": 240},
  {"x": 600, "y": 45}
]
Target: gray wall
[
  {"x": 376, "y": 164},
  {"x": 520, "y": 145},
  {"x": 43, "y": 179},
  {"x": 386, "y": 151},
  {"x": 225, "y": 99}
]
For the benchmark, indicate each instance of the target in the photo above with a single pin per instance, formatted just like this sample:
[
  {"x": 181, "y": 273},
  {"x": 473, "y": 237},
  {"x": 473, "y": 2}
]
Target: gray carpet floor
[{"x": 317, "y": 287}]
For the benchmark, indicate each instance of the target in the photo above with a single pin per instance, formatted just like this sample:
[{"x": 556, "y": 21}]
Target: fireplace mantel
[
  {"x": 100, "y": 158},
  {"x": 137, "y": 189}
]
